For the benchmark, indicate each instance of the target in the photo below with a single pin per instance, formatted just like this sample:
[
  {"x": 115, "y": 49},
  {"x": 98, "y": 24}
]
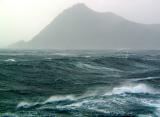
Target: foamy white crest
[
  {"x": 147, "y": 78},
  {"x": 140, "y": 88},
  {"x": 48, "y": 58},
  {"x": 59, "y": 98},
  {"x": 99, "y": 110},
  {"x": 145, "y": 115},
  {"x": 152, "y": 103},
  {"x": 24, "y": 105},
  {"x": 78, "y": 104},
  {"x": 64, "y": 54},
  {"x": 10, "y": 60},
  {"x": 88, "y": 66},
  {"x": 87, "y": 56},
  {"x": 157, "y": 112},
  {"x": 9, "y": 115},
  {"x": 133, "y": 88}
]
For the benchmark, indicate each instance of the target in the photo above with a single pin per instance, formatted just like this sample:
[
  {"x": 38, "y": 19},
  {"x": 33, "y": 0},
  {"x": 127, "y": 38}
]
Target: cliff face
[{"x": 82, "y": 28}]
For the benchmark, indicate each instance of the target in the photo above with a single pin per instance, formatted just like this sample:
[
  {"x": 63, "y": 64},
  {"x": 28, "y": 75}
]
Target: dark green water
[{"x": 79, "y": 83}]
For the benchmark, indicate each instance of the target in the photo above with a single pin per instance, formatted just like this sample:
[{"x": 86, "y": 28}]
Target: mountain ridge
[{"x": 79, "y": 27}]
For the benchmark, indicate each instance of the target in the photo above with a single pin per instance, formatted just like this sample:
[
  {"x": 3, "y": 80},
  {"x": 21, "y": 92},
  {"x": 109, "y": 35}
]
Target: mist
[
  {"x": 80, "y": 27},
  {"x": 23, "y": 19}
]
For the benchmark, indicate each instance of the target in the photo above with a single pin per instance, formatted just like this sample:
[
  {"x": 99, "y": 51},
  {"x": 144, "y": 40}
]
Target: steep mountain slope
[{"x": 82, "y": 28}]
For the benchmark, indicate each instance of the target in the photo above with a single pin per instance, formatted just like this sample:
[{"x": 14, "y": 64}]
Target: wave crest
[
  {"x": 10, "y": 60},
  {"x": 24, "y": 105},
  {"x": 59, "y": 98},
  {"x": 133, "y": 88}
]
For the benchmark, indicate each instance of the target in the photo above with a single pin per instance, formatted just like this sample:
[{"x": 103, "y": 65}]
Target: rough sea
[{"x": 39, "y": 83}]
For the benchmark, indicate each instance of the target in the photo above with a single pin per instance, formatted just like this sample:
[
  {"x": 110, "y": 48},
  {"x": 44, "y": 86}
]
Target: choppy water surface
[{"x": 79, "y": 83}]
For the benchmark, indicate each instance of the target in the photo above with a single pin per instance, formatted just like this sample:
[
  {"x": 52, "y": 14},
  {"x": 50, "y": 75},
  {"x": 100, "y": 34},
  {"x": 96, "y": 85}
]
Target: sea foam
[
  {"x": 94, "y": 67},
  {"x": 24, "y": 105},
  {"x": 147, "y": 78},
  {"x": 59, "y": 98},
  {"x": 10, "y": 60},
  {"x": 133, "y": 88}
]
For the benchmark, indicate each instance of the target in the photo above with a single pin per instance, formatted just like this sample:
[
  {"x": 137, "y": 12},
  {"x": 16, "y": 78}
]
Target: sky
[{"x": 23, "y": 19}]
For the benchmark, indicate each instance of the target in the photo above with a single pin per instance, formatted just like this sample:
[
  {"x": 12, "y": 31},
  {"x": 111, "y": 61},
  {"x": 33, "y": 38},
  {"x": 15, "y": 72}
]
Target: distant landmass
[{"x": 82, "y": 28}]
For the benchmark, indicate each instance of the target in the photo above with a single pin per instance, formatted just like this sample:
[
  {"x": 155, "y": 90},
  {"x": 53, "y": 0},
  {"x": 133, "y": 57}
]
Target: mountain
[{"x": 82, "y": 28}]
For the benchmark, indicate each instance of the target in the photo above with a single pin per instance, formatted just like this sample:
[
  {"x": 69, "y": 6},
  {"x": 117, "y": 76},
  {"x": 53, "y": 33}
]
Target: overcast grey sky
[{"x": 23, "y": 19}]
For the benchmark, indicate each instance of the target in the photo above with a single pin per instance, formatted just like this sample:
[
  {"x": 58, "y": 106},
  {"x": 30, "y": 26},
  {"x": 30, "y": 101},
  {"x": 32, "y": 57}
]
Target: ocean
[{"x": 38, "y": 83}]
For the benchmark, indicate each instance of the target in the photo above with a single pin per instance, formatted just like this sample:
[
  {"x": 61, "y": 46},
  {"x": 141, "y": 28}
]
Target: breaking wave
[
  {"x": 101, "y": 84},
  {"x": 59, "y": 98},
  {"x": 94, "y": 67},
  {"x": 107, "y": 104},
  {"x": 24, "y": 105},
  {"x": 134, "y": 88},
  {"x": 142, "y": 79},
  {"x": 10, "y": 60}
]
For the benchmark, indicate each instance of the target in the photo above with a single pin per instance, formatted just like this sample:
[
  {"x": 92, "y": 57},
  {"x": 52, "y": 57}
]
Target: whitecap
[
  {"x": 152, "y": 103},
  {"x": 157, "y": 112},
  {"x": 8, "y": 115},
  {"x": 78, "y": 104},
  {"x": 88, "y": 66},
  {"x": 133, "y": 88},
  {"x": 27, "y": 105},
  {"x": 147, "y": 78},
  {"x": 145, "y": 115},
  {"x": 10, "y": 60},
  {"x": 64, "y": 54},
  {"x": 59, "y": 98},
  {"x": 24, "y": 105},
  {"x": 140, "y": 88},
  {"x": 48, "y": 58},
  {"x": 87, "y": 56}
]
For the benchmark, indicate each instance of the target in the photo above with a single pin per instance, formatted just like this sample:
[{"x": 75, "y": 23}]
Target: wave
[
  {"x": 133, "y": 88},
  {"x": 64, "y": 54},
  {"x": 10, "y": 60},
  {"x": 48, "y": 58},
  {"x": 157, "y": 112},
  {"x": 27, "y": 105},
  {"x": 147, "y": 78},
  {"x": 24, "y": 105},
  {"x": 79, "y": 101},
  {"x": 106, "y": 106},
  {"x": 88, "y": 66},
  {"x": 100, "y": 104},
  {"x": 154, "y": 104},
  {"x": 87, "y": 56},
  {"x": 59, "y": 98},
  {"x": 52, "y": 99},
  {"x": 8, "y": 115}
]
